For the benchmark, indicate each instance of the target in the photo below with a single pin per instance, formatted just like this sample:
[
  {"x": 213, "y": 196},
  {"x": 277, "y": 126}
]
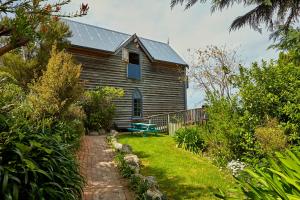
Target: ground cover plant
[
  {"x": 280, "y": 180},
  {"x": 180, "y": 174}
]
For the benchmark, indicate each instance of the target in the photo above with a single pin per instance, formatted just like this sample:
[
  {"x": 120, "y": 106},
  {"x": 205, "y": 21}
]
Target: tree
[
  {"x": 213, "y": 69},
  {"x": 57, "y": 88},
  {"x": 26, "y": 21},
  {"x": 269, "y": 12},
  {"x": 27, "y": 64}
]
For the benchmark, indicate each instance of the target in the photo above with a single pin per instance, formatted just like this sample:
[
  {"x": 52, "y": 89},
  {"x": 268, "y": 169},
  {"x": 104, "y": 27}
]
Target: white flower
[{"x": 236, "y": 166}]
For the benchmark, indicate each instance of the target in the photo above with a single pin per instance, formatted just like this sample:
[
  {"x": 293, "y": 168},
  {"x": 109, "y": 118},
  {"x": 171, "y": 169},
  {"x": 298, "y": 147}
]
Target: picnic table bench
[{"x": 143, "y": 128}]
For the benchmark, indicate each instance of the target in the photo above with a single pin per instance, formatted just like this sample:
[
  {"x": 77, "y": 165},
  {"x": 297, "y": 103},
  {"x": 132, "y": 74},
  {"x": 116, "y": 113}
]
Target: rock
[
  {"x": 102, "y": 132},
  {"x": 139, "y": 176},
  {"x": 126, "y": 149},
  {"x": 117, "y": 146},
  {"x": 113, "y": 140},
  {"x": 154, "y": 194},
  {"x": 114, "y": 133},
  {"x": 151, "y": 181},
  {"x": 93, "y": 133},
  {"x": 136, "y": 169},
  {"x": 132, "y": 159}
]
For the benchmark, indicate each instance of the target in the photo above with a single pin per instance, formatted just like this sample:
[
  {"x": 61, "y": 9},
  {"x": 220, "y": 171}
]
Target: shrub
[
  {"x": 99, "y": 107},
  {"x": 280, "y": 180},
  {"x": 58, "y": 88},
  {"x": 271, "y": 137},
  {"x": 125, "y": 169},
  {"x": 190, "y": 138},
  {"x": 22, "y": 70},
  {"x": 37, "y": 165},
  {"x": 272, "y": 89},
  {"x": 222, "y": 137},
  {"x": 39, "y": 133}
]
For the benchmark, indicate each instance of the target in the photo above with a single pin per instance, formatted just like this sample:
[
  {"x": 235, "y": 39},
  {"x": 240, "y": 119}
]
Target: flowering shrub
[{"x": 236, "y": 166}]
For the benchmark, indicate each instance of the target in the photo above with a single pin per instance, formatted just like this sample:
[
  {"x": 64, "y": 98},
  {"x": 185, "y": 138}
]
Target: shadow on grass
[
  {"x": 174, "y": 188},
  {"x": 140, "y": 135}
]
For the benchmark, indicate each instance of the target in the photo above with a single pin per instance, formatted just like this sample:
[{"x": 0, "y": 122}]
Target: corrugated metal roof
[{"x": 94, "y": 37}]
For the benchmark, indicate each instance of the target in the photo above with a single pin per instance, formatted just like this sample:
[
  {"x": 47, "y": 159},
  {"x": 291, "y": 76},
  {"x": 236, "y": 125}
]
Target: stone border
[{"x": 138, "y": 181}]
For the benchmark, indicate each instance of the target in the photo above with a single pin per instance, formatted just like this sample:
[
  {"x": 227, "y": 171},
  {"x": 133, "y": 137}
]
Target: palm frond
[
  {"x": 188, "y": 3},
  {"x": 256, "y": 16}
]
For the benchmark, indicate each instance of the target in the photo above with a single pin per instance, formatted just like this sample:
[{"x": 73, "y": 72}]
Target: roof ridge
[{"x": 97, "y": 27}]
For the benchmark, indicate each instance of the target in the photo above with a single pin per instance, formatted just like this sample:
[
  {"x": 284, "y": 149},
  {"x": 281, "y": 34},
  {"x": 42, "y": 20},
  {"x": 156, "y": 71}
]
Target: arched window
[{"x": 137, "y": 104}]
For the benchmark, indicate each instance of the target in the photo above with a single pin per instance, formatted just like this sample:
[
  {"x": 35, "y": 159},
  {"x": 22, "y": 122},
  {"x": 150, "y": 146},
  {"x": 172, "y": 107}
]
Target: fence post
[{"x": 168, "y": 122}]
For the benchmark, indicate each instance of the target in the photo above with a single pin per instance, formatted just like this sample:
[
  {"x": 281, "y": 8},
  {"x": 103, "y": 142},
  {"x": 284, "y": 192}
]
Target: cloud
[{"x": 194, "y": 28}]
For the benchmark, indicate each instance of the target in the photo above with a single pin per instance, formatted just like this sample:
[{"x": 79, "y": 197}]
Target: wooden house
[{"x": 150, "y": 72}]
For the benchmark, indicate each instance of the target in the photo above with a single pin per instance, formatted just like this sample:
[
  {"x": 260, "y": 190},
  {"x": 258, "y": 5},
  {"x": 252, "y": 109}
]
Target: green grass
[{"x": 180, "y": 174}]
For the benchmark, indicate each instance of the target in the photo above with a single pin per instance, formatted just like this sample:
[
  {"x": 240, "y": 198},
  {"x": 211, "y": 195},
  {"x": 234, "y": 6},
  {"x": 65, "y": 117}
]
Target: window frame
[
  {"x": 138, "y": 91},
  {"x": 141, "y": 73}
]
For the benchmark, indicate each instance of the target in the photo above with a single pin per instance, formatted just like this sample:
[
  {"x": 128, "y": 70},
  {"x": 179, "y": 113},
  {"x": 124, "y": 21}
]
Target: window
[
  {"x": 134, "y": 67},
  {"x": 137, "y": 101}
]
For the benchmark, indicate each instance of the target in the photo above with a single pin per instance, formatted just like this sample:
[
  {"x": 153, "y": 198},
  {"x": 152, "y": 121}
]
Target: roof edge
[{"x": 132, "y": 38}]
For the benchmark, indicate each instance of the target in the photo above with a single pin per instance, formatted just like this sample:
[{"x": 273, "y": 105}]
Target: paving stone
[{"x": 97, "y": 165}]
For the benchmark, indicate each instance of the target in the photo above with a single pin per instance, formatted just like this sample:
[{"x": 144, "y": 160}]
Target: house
[{"x": 150, "y": 72}]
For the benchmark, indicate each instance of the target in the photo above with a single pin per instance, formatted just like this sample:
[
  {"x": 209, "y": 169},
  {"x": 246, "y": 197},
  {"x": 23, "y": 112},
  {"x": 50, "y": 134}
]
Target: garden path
[{"x": 103, "y": 180}]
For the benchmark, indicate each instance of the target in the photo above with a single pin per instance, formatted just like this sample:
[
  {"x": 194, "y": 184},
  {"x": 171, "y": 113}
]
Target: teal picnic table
[{"x": 143, "y": 128}]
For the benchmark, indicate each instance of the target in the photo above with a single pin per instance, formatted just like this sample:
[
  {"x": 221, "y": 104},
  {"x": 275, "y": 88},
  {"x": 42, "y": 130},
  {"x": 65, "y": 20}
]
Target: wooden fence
[{"x": 171, "y": 122}]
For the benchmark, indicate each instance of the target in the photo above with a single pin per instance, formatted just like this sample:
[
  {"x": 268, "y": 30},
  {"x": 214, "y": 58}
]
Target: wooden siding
[{"x": 161, "y": 85}]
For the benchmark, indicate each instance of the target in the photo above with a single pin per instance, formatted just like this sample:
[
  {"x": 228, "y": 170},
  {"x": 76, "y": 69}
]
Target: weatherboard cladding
[{"x": 85, "y": 35}]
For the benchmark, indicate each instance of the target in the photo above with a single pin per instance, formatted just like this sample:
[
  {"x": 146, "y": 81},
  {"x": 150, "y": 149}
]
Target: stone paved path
[{"x": 103, "y": 179}]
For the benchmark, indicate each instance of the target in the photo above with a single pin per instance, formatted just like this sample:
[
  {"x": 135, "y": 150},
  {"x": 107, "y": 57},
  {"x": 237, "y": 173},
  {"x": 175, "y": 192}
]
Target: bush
[
  {"x": 99, "y": 107},
  {"x": 125, "y": 169},
  {"x": 37, "y": 165},
  {"x": 271, "y": 137},
  {"x": 58, "y": 88},
  {"x": 278, "y": 181},
  {"x": 39, "y": 133},
  {"x": 190, "y": 138},
  {"x": 223, "y": 135},
  {"x": 272, "y": 89}
]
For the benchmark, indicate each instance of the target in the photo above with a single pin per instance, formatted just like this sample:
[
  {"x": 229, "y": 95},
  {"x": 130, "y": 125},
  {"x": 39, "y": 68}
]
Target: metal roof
[{"x": 94, "y": 37}]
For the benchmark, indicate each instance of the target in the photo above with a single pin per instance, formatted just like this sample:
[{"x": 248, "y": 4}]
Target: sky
[{"x": 185, "y": 29}]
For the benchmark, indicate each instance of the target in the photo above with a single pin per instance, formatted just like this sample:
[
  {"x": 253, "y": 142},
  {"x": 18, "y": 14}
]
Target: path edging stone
[{"x": 133, "y": 162}]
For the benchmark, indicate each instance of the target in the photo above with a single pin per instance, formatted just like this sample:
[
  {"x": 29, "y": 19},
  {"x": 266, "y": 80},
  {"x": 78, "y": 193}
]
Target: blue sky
[{"x": 194, "y": 28}]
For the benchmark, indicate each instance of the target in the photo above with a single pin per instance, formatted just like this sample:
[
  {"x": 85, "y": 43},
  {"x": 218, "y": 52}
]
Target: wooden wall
[{"x": 161, "y": 85}]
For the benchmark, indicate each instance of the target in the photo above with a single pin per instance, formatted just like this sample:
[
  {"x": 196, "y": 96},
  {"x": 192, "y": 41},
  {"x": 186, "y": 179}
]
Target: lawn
[{"x": 180, "y": 174}]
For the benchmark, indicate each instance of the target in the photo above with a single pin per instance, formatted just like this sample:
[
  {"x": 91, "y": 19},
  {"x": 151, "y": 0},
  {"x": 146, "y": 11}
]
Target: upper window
[{"x": 134, "y": 67}]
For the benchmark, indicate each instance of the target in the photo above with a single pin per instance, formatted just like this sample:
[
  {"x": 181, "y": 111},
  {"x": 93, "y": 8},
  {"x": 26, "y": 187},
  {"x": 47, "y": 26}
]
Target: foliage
[
  {"x": 213, "y": 69},
  {"x": 223, "y": 133},
  {"x": 26, "y": 22},
  {"x": 37, "y": 165},
  {"x": 125, "y": 169},
  {"x": 268, "y": 12},
  {"x": 140, "y": 186},
  {"x": 190, "y": 138},
  {"x": 278, "y": 181},
  {"x": 272, "y": 90},
  {"x": 59, "y": 86},
  {"x": 99, "y": 107},
  {"x": 236, "y": 166},
  {"x": 180, "y": 174},
  {"x": 271, "y": 137},
  {"x": 37, "y": 158},
  {"x": 22, "y": 70}
]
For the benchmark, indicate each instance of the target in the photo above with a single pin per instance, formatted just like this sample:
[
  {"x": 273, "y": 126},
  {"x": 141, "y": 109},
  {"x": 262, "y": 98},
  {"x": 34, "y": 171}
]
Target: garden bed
[{"x": 180, "y": 174}]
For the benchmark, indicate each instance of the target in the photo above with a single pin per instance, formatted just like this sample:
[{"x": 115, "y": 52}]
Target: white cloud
[{"x": 194, "y": 28}]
